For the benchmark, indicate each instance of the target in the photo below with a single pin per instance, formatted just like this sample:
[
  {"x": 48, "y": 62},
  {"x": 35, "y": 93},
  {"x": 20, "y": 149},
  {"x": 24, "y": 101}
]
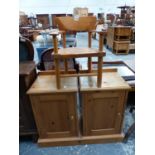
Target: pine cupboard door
[
  {"x": 103, "y": 112},
  {"x": 55, "y": 115}
]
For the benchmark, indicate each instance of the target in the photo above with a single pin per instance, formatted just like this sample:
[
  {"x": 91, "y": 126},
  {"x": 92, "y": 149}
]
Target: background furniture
[
  {"x": 127, "y": 15},
  {"x": 26, "y": 50},
  {"x": 43, "y": 19},
  {"x": 112, "y": 18},
  {"x": 121, "y": 47},
  {"x": 132, "y": 44},
  {"x": 33, "y": 21},
  {"x": 23, "y": 20},
  {"x": 47, "y": 61},
  {"x": 118, "y": 39},
  {"x": 53, "y": 16},
  {"x": 24, "y": 32},
  {"x": 27, "y": 75}
]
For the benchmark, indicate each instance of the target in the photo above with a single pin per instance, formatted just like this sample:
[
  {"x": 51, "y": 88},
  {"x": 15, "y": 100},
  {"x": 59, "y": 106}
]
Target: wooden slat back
[{"x": 82, "y": 24}]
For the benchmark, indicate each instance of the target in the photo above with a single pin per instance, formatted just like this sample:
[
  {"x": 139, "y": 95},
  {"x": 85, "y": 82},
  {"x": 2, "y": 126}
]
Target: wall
[{"x": 66, "y": 6}]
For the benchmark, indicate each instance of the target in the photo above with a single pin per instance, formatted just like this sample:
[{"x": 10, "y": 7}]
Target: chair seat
[{"x": 77, "y": 52}]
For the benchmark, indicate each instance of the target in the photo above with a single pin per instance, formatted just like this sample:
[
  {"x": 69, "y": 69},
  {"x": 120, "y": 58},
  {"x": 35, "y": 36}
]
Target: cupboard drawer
[
  {"x": 125, "y": 31},
  {"x": 121, "y": 45}
]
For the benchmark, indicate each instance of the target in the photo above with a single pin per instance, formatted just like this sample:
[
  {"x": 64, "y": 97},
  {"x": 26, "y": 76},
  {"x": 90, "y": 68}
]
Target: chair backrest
[
  {"x": 82, "y": 24},
  {"x": 26, "y": 50}
]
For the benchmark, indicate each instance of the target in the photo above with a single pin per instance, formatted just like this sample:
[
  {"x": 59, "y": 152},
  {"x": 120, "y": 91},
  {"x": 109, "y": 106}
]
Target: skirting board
[{"x": 80, "y": 140}]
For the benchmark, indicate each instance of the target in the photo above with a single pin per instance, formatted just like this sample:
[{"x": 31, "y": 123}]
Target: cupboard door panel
[
  {"x": 55, "y": 115},
  {"x": 102, "y": 112},
  {"x": 103, "y": 108}
]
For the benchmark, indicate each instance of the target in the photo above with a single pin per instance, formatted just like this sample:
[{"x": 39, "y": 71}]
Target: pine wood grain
[
  {"x": 110, "y": 81},
  {"x": 47, "y": 84}
]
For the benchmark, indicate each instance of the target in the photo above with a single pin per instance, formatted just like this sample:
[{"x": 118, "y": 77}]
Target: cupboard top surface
[
  {"x": 110, "y": 81},
  {"x": 47, "y": 84}
]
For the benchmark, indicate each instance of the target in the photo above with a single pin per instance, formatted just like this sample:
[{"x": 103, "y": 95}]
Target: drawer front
[
  {"x": 121, "y": 46},
  {"x": 123, "y": 31}
]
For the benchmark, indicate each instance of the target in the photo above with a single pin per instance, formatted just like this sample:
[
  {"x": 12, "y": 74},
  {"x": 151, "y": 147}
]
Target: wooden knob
[
  {"x": 71, "y": 117},
  {"x": 119, "y": 114}
]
